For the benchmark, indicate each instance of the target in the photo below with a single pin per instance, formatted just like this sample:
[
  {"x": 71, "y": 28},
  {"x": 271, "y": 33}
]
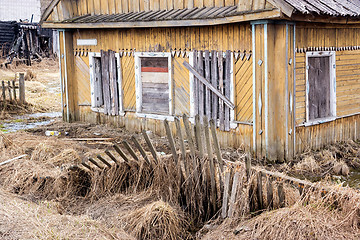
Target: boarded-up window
[
  {"x": 155, "y": 85},
  {"x": 105, "y": 83},
  {"x": 216, "y": 68},
  {"x": 319, "y": 95}
]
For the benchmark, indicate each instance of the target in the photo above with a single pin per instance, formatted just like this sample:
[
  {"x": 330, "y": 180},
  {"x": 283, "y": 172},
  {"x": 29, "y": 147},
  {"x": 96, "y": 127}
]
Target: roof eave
[{"x": 267, "y": 14}]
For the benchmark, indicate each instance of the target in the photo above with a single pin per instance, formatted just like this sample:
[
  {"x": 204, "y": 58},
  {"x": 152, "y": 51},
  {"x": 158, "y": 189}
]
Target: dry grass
[
  {"x": 42, "y": 221},
  {"x": 41, "y": 84},
  {"x": 335, "y": 216},
  {"x": 157, "y": 220}
]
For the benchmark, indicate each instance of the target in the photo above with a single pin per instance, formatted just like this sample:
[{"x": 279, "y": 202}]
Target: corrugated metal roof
[
  {"x": 345, "y": 8},
  {"x": 162, "y": 15}
]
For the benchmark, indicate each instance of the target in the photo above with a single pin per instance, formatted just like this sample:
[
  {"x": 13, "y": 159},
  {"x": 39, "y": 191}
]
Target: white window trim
[
  {"x": 233, "y": 123},
  {"x": 138, "y": 85},
  {"x": 91, "y": 66},
  {"x": 332, "y": 59}
]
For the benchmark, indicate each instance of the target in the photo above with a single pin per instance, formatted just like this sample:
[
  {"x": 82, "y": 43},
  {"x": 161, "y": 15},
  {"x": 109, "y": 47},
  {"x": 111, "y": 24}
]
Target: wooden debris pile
[{"x": 29, "y": 43}]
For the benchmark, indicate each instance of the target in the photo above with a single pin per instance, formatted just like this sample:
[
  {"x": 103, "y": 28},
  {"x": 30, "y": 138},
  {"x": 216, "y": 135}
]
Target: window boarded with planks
[
  {"x": 216, "y": 68},
  {"x": 155, "y": 85},
  {"x": 105, "y": 83},
  {"x": 319, "y": 87}
]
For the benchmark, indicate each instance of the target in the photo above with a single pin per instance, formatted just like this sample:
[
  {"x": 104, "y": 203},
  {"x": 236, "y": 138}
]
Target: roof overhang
[{"x": 249, "y": 16}]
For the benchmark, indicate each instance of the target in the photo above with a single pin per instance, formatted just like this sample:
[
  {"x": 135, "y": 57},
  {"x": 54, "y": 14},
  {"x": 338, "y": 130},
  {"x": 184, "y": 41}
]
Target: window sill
[
  {"x": 318, "y": 121},
  {"x": 155, "y": 116}
]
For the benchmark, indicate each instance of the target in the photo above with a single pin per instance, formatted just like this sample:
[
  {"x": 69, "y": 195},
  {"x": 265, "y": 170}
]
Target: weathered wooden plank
[
  {"x": 9, "y": 90},
  {"x": 260, "y": 191},
  {"x": 150, "y": 145},
  {"x": 227, "y": 87},
  {"x": 196, "y": 83},
  {"x": 189, "y": 135},
  {"x": 114, "y": 94},
  {"x": 191, "y": 145},
  {"x": 200, "y": 66},
  {"x": 21, "y": 88},
  {"x": 14, "y": 89},
  {"x": 281, "y": 194},
  {"x": 211, "y": 162},
  {"x": 198, "y": 136},
  {"x": 141, "y": 150},
  {"x": 111, "y": 156},
  {"x": 214, "y": 82},
  {"x": 221, "y": 90},
  {"x": 216, "y": 144},
  {"x": 226, "y": 193},
  {"x": 171, "y": 141},
  {"x": 105, "y": 81},
  {"x": 182, "y": 144},
  {"x": 98, "y": 93},
  {"x": 120, "y": 152},
  {"x": 130, "y": 150},
  {"x": 203, "y": 80},
  {"x": 234, "y": 191},
  {"x": 95, "y": 163},
  {"x": 104, "y": 161},
  {"x": 3, "y": 90},
  {"x": 86, "y": 166},
  {"x": 208, "y": 93},
  {"x": 269, "y": 193}
]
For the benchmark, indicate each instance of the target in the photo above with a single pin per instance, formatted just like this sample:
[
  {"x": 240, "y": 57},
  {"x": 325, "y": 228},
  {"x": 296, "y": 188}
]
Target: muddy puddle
[
  {"x": 28, "y": 121},
  {"x": 353, "y": 180}
]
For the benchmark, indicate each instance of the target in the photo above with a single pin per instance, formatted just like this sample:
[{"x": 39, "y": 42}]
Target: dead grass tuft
[{"x": 157, "y": 220}]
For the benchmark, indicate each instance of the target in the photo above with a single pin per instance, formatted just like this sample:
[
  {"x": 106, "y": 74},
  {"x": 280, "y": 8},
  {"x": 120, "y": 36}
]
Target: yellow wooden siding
[
  {"x": 82, "y": 76},
  {"x": 181, "y": 86},
  {"x": 128, "y": 78},
  {"x": 326, "y": 35},
  {"x": 347, "y": 84},
  {"x": 243, "y": 70},
  {"x": 234, "y": 37},
  {"x": 317, "y": 136}
]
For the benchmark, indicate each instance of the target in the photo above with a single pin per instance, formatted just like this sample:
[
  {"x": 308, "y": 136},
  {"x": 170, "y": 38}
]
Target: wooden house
[{"x": 277, "y": 76}]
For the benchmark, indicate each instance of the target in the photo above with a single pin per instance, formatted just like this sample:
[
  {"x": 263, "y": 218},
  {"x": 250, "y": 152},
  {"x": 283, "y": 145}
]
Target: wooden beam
[
  {"x": 286, "y": 8},
  {"x": 250, "y": 16},
  {"x": 207, "y": 84},
  {"x": 49, "y": 10}
]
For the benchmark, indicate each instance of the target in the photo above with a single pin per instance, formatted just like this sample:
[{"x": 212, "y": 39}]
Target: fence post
[
  {"x": 22, "y": 88},
  {"x": 3, "y": 91}
]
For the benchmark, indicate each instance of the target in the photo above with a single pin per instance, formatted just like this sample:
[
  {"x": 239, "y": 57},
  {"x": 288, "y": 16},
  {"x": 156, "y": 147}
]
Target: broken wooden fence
[
  {"x": 196, "y": 153},
  {"x": 264, "y": 189},
  {"x": 8, "y": 90},
  {"x": 209, "y": 184}
]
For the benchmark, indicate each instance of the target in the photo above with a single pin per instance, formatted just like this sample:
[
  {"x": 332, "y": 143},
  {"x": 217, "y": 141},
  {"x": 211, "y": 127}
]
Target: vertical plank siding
[{"x": 343, "y": 40}]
